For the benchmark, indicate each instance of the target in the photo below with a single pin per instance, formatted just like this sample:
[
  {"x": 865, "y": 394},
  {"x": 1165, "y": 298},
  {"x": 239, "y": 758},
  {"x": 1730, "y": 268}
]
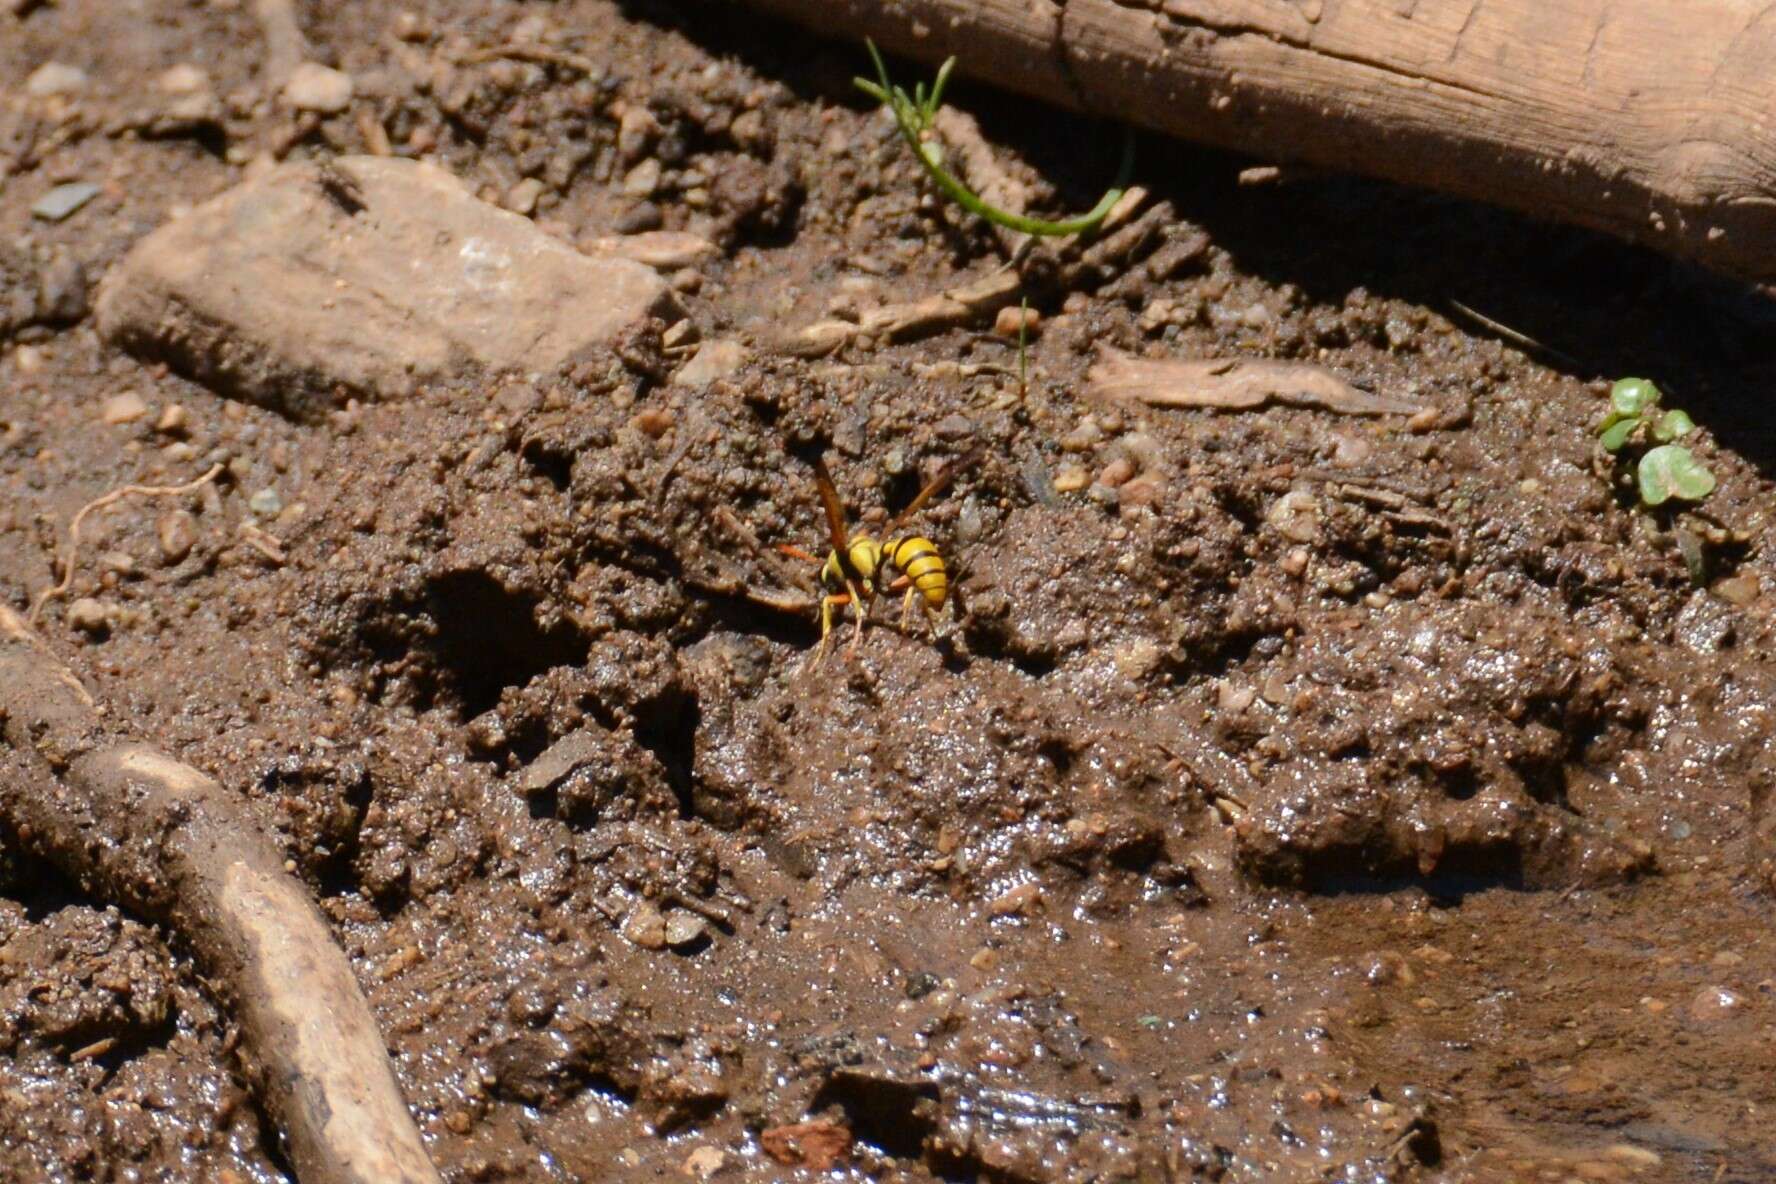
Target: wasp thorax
[{"x": 865, "y": 555}]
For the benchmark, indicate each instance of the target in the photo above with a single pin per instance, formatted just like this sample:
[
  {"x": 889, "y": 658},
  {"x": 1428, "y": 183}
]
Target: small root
[{"x": 60, "y": 588}]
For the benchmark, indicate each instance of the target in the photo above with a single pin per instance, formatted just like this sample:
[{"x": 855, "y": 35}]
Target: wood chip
[{"x": 1233, "y": 384}]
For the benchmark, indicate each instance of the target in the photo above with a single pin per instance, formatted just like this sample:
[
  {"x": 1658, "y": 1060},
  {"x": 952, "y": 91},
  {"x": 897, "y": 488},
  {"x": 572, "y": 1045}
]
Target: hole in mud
[
  {"x": 39, "y": 886},
  {"x": 552, "y": 464},
  {"x": 1059, "y": 752},
  {"x": 887, "y": 1114},
  {"x": 1461, "y": 872},
  {"x": 489, "y": 639},
  {"x": 670, "y": 733}
]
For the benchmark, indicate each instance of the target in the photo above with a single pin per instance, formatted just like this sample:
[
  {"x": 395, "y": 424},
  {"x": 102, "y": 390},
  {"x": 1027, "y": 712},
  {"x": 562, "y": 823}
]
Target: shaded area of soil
[{"x": 1327, "y": 798}]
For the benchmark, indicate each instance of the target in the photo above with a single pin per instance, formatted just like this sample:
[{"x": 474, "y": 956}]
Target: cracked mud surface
[{"x": 1315, "y": 797}]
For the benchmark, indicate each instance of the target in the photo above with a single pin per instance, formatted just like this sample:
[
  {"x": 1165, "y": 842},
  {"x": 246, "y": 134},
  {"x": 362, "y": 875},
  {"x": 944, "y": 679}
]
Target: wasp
[{"x": 857, "y": 567}]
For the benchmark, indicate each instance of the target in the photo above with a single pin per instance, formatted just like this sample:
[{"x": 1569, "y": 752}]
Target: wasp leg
[
  {"x": 827, "y": 605},
  {"x": 906, "y": 609},
  {"x": 859, "y": 609}
]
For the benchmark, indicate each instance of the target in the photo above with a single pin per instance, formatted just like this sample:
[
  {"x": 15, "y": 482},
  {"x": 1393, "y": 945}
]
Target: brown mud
[{"x": 1315, "y": 798}]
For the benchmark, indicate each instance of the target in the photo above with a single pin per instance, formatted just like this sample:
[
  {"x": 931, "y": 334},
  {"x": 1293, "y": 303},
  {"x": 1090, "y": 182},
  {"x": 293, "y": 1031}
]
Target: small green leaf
[
  {"x": 1673, "y": 425},
  {"x": 1617, "y": 430},
  {"x": 1633, "y": 396},
  {"x": 933, "y": 152},
  {"x": 1670, "y": 471}
]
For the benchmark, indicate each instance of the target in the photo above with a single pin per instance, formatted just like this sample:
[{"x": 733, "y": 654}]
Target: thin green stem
[{"x": 914, "y": 114}]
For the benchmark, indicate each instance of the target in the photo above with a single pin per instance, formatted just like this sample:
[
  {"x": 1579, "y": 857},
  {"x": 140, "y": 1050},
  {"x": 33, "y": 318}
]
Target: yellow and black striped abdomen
[{"x": 918, "y": 560}]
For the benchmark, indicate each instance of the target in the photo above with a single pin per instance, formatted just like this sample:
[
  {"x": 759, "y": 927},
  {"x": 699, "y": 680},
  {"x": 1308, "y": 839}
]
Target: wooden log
[
  {"x": 135, "y": 827},
  {"x": 1646, "y": 119}
]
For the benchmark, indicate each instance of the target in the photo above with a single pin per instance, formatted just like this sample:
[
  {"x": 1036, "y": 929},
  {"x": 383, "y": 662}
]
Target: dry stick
[
  {"x": 133, "y": 826},
  {"x": 99, "y": 503},
  {"x": 1124, "y": 237},
  {"x": 1642, "y": 118}
]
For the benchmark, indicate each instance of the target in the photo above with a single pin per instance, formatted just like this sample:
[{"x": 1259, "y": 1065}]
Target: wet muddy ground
[{"x": 1298, "y": 797}]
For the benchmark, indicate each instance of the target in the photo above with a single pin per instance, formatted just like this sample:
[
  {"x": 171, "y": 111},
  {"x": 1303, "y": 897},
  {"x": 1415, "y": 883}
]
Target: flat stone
[
  {"x": 297, "y": 289},
  {"x": 713, "y": 360},
  {"x": 122, "y": 408},
  {"x": 64, "y": 200}
]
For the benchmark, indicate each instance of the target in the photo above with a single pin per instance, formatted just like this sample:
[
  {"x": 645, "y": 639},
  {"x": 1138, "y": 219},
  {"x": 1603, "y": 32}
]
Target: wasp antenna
[{"x": 834, "y": 507}]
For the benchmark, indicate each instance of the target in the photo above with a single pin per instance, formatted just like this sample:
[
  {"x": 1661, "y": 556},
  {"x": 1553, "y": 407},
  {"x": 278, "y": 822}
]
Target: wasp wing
[
  {"x": 835, "y": 509},
  {"x": 934, "y": 487}
]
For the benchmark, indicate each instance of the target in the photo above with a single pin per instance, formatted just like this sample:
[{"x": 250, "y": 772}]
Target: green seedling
[
  {"x": 1667, "y": 469},
  {"x": 915, "y": 113}
]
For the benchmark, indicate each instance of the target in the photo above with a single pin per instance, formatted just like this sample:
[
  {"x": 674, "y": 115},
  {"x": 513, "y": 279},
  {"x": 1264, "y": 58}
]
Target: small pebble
[
  {"x": 314, "y": 87},
  {"x": 639, "y": 218},
  {"x": 1231, "y": 697},
  {"x": 683, "y": 928},
  {"x": 643, "y": 179},
  {"x": 55, "y": 78},
  {"x": 635, "y": 133},
  {"x": 174, "y": 420},
  {"x": 1084, "y": 437},
  {"x": 646, "y": 927},
  {"x": 1010, "y": 317},
  {"x": 1424, "y": 421},
  {"x": 704, "y": 1162},
  {"x": 954, "y": 427},
  {"x": 1137, "y": 659},
  {"x": 64, "y": 200},
  {"x": 1715, "y": 1002},
  {"x": 178, "y": 534},
  {"x": 183, "y": 79},
  {"x": 89, "y": 616},
  {"x": 1738, "y": 590},
  {"x": 522, "y": 197},
  {"x": 1071, "y": 479},
  {"x": 1350, "y": 451},
  {"x": 1117, "y": 472},
  {"x": 713, "y": 360},
  {"x": 266, "y": 503},
  {"x": 123, "y": 408},
  {"x": 1141, "y": 491},
  {"x": 62, "y": 288},
  {"x": 1016, "y": 901}
]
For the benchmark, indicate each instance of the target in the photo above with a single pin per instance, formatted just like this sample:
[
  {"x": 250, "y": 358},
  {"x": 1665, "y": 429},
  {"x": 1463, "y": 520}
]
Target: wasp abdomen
[{"x": 918, "y": 560}]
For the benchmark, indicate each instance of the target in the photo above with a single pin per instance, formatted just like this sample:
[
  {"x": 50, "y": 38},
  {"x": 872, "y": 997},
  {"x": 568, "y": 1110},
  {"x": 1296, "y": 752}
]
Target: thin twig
[
  {"x": 1514, "y": 337},
  {"x": 99, "y": 503}
]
